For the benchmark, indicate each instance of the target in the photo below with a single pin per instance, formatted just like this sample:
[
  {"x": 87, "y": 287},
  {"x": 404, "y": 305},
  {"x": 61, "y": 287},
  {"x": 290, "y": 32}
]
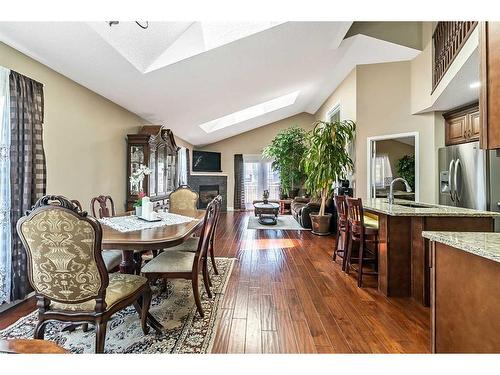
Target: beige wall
[
  {"x": 384, "y": 108},
  {"x": 405, "y": 33},
  {"x": 345, "y": 95},
  {"x": 84, "y": 134},
  {"x": 252, "y": 142}
]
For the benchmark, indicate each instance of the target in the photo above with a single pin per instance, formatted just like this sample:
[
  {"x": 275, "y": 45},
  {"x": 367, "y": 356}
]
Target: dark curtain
[
  {"x": 27, "y": 166},
  {"x": 239, "y": 187}
]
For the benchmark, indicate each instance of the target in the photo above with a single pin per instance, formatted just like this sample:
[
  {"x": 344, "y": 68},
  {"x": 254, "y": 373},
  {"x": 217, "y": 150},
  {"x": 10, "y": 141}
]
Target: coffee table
[{"x": 267, "y": 212}]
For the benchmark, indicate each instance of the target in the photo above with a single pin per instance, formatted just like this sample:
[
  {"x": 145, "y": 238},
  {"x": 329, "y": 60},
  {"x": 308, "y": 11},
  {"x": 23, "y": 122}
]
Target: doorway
[{"x": 390, "y": 157}]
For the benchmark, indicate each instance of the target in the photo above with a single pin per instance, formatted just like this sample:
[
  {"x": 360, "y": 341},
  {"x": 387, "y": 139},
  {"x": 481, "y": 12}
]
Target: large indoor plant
[
  {"x": 287, "y": 150},
  {"x": 326, "y": 161},
  {"x": 406, "y": 169}
]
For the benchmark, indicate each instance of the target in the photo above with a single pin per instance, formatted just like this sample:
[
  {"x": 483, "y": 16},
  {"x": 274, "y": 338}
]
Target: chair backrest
[
  {"x": 356, "y": 217},
  {"x": 106, "y": 206},
  {"x": 63, "y": 247},
  {"x": 341, "y": 205},
  {"x": 182, "y": 199},
  {"x": 217, "y": 217},
  {"x": 206, "y": 231},
  {"x": 77, "y": 204}
]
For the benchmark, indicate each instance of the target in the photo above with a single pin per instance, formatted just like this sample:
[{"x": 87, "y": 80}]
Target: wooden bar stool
[
  {"x": 342, "y": 238},
  {"x": 363, "y": 232}
]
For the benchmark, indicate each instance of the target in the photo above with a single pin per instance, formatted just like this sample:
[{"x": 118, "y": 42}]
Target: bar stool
[
  {"x": 342, "y": 238},
  {"x": 364, "y": 232}
]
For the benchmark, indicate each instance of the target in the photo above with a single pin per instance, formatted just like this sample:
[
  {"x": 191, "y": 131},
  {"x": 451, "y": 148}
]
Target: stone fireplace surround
[{"x": 197, "y": 180}]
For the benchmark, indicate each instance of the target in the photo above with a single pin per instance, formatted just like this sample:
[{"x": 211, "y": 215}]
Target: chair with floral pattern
[{"x": 67, "y": 271}]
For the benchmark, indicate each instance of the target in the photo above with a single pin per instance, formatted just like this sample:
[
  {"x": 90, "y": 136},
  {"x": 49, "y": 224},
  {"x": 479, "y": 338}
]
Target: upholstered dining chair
[
  {"x": 185, "y": 264},
  {"x": 67, "y": 271},
  {"x": 104, "y": 206},
  {"x": 191, "y": 244},
  {"x": 182, "y": 199}
]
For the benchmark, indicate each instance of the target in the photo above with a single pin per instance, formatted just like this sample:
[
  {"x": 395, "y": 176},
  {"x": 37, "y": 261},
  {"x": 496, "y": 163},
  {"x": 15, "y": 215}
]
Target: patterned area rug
[
  {"x": 184, "y": 330},
  {"x": 285, "y": 222}
]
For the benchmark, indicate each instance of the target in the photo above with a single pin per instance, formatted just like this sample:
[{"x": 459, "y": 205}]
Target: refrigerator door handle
[
  {"x": 450, "y": 180},
  {"x": 455, "y": 180}
]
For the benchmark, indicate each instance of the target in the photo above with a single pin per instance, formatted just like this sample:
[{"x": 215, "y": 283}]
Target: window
[
  {"x": 334, "y": 114},
  {"x": 259, "y": 176},
  {"x": 383, "y": 171}
]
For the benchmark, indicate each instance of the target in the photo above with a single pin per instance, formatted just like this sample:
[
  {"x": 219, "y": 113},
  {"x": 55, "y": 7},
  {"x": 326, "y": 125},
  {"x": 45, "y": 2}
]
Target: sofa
[{"x": 302, "y": 207}]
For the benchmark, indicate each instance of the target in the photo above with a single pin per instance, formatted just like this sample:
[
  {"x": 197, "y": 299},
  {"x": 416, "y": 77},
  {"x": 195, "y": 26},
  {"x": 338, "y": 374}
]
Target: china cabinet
[{"x": 154, "y": 147}]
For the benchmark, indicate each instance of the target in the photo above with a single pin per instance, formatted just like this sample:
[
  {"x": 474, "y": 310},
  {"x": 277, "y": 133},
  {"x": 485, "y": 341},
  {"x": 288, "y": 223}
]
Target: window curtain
[
  {"x": 239, "y": 187},
  {"x": 182, "y": 166},
  {"x": 383, "y": 171},
  {"x": 27, "y": 166},
  {"x": 5, "y": 227}
]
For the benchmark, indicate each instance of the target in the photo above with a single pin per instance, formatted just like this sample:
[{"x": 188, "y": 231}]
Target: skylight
[{"x": 250, "y": 112}]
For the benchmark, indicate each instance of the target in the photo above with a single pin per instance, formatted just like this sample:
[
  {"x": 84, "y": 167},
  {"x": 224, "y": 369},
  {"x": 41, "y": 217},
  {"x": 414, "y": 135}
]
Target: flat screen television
[{"x": 206, "y": 161}]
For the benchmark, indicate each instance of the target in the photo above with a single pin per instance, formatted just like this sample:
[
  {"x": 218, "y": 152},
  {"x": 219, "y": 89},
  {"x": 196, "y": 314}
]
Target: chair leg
[
  {"x": 337, "y": 242},
  {"x": 212, "y": 257},
  {"x": 205, "y": 265},
  {"x": 40, "y": 329},
  {"x": 146, "y": 303},
  {"x": 206, "y": 280},
  {"x": 196, "y": 293},
  {"x": 346, "y": 242},
  {"x": 85, "y": 327},
  {"x": 100, "y": 336},
  {"x": 360, "y": 263},
  {"x": 348, "y": 257}
]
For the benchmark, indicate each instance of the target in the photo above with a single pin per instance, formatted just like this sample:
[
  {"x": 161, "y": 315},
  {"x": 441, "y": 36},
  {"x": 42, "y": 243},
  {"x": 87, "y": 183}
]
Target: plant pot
[
  {"x": 294, "y": 193},
  {"x": 138, "y": 211},
  {"x": 321, "y": 224}
]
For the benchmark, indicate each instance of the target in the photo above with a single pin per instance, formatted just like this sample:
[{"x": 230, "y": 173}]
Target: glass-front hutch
[{"x": 153, "y": 147}]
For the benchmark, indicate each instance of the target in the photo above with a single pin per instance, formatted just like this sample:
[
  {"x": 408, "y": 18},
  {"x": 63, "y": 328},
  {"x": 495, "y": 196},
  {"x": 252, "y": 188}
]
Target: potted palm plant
[
  {"x": 287, "y": 150},
  {"x": 326, "y": 161}
]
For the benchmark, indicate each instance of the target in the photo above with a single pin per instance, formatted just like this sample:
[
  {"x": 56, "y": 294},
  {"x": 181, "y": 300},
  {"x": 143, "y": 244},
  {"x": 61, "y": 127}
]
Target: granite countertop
[
  {"x": 483, "y": 244},
  {"x": 381, "y": 206}
]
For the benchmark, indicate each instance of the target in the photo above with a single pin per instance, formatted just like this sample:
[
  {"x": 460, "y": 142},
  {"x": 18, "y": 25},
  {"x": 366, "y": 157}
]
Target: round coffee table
[{"x": 267, "y": 212}]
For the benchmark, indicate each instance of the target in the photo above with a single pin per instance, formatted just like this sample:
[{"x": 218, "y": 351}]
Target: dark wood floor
[{"x": 287, "y": 296}]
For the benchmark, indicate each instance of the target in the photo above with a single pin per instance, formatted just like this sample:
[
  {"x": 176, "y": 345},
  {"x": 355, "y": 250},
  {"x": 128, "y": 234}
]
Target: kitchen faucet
[{"x": 390, "y": 197}]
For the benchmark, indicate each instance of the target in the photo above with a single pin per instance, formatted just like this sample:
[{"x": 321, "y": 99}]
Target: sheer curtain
[
  {"x": 259, "y": 176},
  {"x": 182, "y": 166},
  {"x": 383, "y": 171},
  {"x": 5, "y": 227}
]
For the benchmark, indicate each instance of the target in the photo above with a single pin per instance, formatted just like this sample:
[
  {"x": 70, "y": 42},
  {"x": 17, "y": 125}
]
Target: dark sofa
[{"x": 302, "y": 207}]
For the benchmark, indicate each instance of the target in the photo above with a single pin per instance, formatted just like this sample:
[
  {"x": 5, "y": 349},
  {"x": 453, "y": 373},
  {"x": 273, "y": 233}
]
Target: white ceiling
[{"x": 184, "y": 74}]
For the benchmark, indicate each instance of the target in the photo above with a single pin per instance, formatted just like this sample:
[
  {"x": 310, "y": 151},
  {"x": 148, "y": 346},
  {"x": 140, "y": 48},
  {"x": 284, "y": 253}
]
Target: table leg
[{"x": 127, "y": 264}]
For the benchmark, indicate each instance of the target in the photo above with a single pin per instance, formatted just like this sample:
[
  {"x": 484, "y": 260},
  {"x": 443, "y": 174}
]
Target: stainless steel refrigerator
[{"x": 469, "y": 177}]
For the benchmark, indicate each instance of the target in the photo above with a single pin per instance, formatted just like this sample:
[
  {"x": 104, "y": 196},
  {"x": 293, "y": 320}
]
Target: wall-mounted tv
[{"x": 206, "y": 161}]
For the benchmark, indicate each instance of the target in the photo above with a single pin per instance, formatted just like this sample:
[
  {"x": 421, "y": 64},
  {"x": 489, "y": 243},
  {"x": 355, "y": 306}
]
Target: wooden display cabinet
[{"x": 155, "y": 147}]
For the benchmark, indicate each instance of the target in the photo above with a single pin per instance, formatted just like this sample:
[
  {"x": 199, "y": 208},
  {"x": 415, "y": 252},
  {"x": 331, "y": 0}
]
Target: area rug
[
  {"x": 285, "y": 222},
  {"x": 184, "y": 330}
]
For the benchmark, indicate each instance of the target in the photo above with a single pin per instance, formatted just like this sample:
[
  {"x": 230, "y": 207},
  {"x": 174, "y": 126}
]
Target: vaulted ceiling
[{"x": 185, "y": 74}]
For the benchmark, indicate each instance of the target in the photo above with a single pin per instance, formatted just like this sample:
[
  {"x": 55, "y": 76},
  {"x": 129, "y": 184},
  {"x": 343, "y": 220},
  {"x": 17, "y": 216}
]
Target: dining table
[{"x": 147, "y": 239}]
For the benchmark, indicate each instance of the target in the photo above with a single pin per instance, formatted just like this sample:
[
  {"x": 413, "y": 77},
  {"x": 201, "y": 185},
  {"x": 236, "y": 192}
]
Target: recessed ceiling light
[
  {"x": 475, "y": 85},
  {"x": 250, "y": 112}
]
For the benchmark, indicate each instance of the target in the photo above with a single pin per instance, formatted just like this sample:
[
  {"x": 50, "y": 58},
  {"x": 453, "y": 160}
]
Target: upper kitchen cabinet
[
  {"x": 462, "y": 125},
  {"x": 490, "y": 85}
]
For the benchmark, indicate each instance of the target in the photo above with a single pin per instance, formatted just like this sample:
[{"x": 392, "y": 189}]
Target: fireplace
[{"x": 206, "y": 194}]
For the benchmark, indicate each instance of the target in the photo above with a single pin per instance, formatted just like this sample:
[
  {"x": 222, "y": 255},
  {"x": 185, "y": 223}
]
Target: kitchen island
[
  {"x": 404, "y": 253},
  {"x": 465, "y": 292}
]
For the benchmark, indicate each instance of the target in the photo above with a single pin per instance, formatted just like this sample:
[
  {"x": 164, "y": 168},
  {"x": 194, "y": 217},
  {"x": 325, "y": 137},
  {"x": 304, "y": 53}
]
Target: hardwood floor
[{"x": 286, "y": 295}]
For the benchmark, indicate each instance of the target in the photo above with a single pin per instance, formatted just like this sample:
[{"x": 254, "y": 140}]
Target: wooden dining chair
[
  {"x": 364, "y": 233},
  {"x": 182, "y": 199},
  {"x": 105, "y": 208},
  {"x": 342, "y": 238},
  {"x": 185, "y": 264},
  {"x": 67, "y": 271}
]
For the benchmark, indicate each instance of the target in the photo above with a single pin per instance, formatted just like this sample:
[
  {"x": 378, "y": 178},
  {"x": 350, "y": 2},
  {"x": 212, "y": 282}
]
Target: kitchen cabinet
[
  {"x": 462, "y": 124},
  {"x": 489, "y": 48},
  {"x": 465, "y": 293}
]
